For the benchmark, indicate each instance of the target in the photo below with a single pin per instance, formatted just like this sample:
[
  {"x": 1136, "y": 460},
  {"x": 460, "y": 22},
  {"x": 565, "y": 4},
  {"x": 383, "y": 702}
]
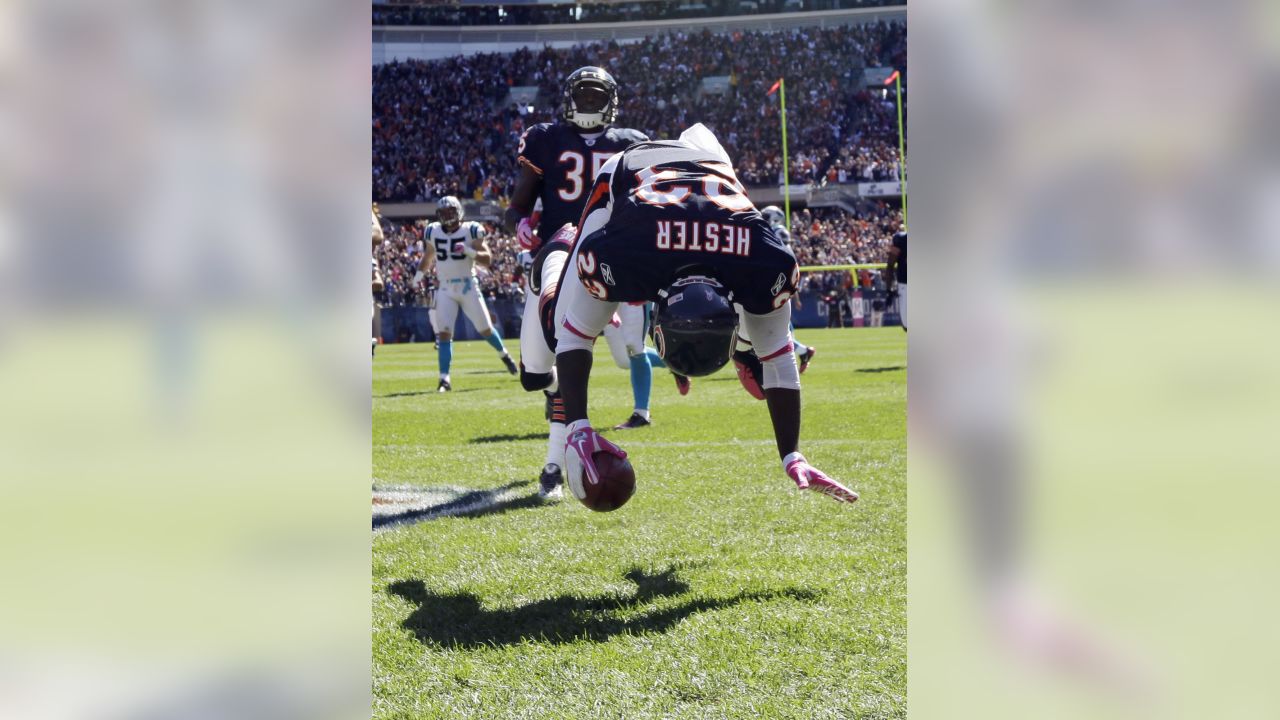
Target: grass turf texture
[{"x": 718, "y": 591}]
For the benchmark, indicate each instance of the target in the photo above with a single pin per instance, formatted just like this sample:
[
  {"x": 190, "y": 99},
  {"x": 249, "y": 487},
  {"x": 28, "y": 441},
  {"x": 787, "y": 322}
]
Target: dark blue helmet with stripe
[
  {"x": 589, "y": 99},
  {"x": 694, "y": 325}
]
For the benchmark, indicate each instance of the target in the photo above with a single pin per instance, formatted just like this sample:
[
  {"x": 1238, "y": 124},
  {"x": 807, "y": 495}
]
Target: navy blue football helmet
[
  {"x": 594, "y": 82},
  {"x": 694, "y": 325}
]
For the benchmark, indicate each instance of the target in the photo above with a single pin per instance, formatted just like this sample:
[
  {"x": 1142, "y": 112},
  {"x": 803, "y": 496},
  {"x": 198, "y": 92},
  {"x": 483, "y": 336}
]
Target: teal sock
[
  {"x": 800, "y": 347},
  {"x": 641, "y": 380},
  {"x": 655, "y": 360},
  {"x": 445, "y": 353},
  {"x": 495, "y": 340}
]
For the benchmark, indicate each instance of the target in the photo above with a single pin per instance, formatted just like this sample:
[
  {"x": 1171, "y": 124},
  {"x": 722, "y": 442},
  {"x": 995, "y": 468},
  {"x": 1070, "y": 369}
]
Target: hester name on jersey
[{"x": 698, "y": 236}]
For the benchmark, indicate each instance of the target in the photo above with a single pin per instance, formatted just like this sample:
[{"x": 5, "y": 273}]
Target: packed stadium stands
[
  {"x": 450, "y": 127},
  {"x": 410, "y": 13},
  {"x": 444, "y": 127}
]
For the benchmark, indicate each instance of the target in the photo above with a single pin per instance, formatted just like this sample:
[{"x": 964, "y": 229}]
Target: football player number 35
[
  {"x": 720, "y": 187},
  {"x": 577, "y": 164}
]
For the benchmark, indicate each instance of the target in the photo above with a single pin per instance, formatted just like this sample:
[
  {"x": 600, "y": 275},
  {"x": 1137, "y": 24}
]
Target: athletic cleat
[
  {"x": 551, "y": 483},
  {"x": 807, "y": 358},
  {"x": 633, "y": 422},
  {"x": 444, "y": 386},
  {"x": 682, "y": 383},
  {"x": 832, "y": 489},
  {"x": 511, "y": 364}
]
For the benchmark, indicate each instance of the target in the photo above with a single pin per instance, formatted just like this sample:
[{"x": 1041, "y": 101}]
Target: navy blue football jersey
[
  {"x": 675, "y": 207},
  {"x": 568, "y": 163}
]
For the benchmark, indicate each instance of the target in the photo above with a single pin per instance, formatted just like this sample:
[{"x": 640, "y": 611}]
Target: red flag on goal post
[
  {"x": 896, "y": 80},
  {"x": 786, "y": 170}
]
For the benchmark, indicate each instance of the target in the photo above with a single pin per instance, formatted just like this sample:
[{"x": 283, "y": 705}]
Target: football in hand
[{"x": 617, "y": 483}]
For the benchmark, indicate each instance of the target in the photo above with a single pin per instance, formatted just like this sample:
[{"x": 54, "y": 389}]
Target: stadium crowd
[
  {"x": 439, "y": 127},
  {"x": 554, "y": 14}
]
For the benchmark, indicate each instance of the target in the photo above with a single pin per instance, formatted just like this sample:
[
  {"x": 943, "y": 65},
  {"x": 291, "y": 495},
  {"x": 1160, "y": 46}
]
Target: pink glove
[
  {"x": 808, "y": 477},
  {"x": 458, "y": 248},
  {"x": 581, "y": 446},
  {"x": 526, "y": 236}
]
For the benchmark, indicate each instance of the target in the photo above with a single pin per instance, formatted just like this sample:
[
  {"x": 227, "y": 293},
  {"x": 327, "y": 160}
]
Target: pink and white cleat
[{"x": 808, "y": 477}]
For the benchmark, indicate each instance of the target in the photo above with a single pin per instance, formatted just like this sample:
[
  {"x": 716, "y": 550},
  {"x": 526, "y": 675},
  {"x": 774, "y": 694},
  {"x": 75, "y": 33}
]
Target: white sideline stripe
[{"x": 404, "y": 499}]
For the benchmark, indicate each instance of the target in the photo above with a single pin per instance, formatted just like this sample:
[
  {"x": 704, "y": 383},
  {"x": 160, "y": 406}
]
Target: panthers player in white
[
  {"x": 774, "y": 215},
  {"x": 458, "y": 247}
]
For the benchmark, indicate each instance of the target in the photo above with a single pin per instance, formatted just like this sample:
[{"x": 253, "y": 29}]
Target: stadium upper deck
[
  {"x": 489, "y": 12},
  {"x": 435, "y": 42}
]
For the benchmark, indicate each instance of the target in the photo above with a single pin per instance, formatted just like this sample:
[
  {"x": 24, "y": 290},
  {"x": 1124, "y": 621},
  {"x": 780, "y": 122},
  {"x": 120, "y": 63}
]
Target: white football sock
[{"x": 555, "y": 444}]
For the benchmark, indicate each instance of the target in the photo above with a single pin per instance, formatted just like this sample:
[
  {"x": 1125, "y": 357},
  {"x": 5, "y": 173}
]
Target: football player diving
[
  {"x": 456, "y": 247},
  {"x": 668, "y": 222}
]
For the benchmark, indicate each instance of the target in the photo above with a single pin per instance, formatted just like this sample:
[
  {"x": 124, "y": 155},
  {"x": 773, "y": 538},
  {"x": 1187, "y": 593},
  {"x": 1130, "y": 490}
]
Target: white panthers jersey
[{"x": 452, "y": 265}]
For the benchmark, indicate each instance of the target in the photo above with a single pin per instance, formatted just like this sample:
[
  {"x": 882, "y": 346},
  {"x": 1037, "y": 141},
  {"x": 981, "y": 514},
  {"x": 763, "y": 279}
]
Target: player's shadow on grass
[
  {"x": 475, "y": 504},
  {"x": 526, "y": 502},
  {"x": 507, "y": 438},
  {"x": 459, "y": 620},
  {"x": 892, "y": 368}
]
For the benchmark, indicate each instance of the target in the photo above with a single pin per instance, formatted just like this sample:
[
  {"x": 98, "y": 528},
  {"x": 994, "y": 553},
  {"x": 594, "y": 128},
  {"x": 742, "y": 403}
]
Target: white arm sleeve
[{"x": 771, "y": 338}]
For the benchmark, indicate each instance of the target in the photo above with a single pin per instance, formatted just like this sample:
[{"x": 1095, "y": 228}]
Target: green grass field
[{"x": 719, "y": 591}]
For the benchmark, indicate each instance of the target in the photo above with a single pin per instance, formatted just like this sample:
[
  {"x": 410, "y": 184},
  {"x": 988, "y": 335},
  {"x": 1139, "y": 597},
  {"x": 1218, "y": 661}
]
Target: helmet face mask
[
  {"x": 590, "y": 98},
  {"x": 774, "y": 216},
  {"x": 449, "y": 212},
  {"x": 695, "y": 326}
]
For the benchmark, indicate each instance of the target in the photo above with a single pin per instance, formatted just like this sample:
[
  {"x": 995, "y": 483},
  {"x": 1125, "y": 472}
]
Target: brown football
[{"x": 617, "y": 484}]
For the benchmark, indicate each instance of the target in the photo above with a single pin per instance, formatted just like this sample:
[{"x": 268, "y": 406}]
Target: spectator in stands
[{"x": 441, "y": 127}]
